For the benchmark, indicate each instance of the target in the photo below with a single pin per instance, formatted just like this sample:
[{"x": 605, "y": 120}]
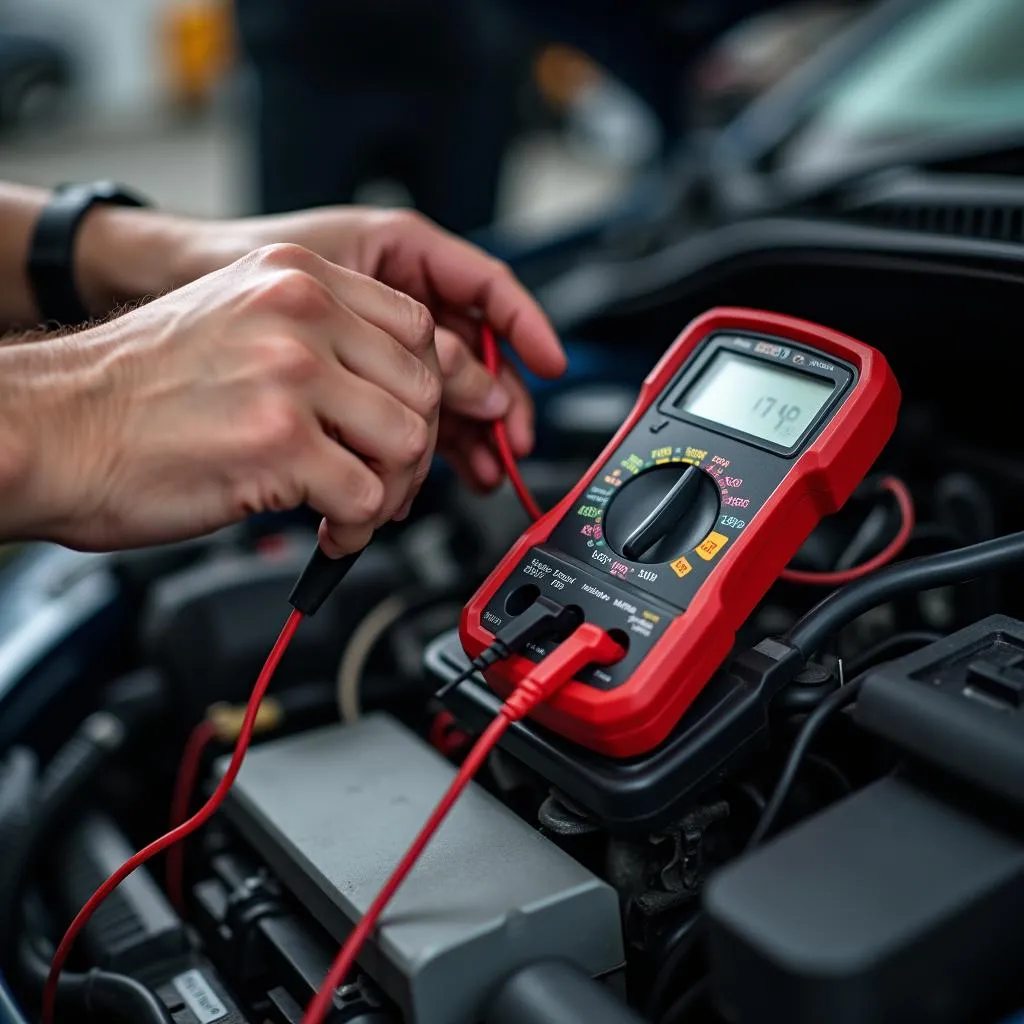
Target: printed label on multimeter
[{"x": 691, "y": 512}]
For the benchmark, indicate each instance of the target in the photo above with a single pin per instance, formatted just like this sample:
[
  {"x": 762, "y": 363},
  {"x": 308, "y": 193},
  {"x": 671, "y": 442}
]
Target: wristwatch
[{"x": 51, "y": 270}]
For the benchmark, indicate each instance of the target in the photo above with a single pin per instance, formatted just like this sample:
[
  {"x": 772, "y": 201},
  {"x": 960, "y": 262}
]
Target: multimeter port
[{"x": 628, "y": 614}]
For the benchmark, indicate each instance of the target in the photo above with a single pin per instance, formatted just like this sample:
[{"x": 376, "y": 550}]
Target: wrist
[
  {"x": 123, "y": 254},
  {"x": 52, "y": 431},
  {"x": 20, "y": 394}
]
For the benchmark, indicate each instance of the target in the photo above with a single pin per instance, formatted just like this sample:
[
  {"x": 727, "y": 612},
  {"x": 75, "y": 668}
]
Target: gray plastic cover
[{"x": 332, "y": 810}]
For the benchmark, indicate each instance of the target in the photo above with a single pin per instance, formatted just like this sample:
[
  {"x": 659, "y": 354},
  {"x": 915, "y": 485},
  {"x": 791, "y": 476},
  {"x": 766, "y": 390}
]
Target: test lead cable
[
  {"x": 319, "y": 578},
  {"x": 905, "y": 503}
]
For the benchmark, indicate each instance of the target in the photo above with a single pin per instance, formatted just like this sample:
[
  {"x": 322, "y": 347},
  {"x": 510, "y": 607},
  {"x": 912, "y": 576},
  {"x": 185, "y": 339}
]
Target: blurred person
[
  {"x": 314, "y": 358},
  {"x": 649, "y": 45},
  {"x": 351, "y": 93}
]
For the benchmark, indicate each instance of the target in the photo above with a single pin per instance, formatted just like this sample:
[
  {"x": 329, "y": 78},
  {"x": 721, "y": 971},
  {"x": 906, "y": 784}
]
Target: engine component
[
  {"x": 128, "y": 705},
  {"x": 876, "y": 911},
  {"x": 726, "y": 723},
  {"x": 136, "y": 932},
  {"x": 555, "y": 992},
  {"x": 331, "y": 811},
  {"x": 136, "y": 925},
  {"x": 958, "y": 704},
  {"x": 270, "y": 947}
]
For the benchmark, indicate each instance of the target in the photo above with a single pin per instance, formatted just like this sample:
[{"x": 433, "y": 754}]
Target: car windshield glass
[{"x": 953, "y": 66}]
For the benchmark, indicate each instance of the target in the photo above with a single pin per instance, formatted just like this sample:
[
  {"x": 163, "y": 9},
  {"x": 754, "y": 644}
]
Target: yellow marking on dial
[
  {"x": 681, "y": 566},
  {"x": 711, "y": 545}
]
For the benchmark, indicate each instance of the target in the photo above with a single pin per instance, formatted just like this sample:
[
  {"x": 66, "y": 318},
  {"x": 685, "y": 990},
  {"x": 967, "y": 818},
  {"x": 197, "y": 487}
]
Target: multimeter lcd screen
[{"x": 756, "y": 398}]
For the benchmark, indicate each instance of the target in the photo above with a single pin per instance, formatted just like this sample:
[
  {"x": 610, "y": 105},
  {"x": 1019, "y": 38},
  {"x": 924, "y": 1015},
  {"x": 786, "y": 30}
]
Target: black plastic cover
[
  {"x": 136, "y": 926},
  {"x": 556, "y": 992},
  {"x": 727, "y": 721},
  {"x": 208, "y": 628},
  {"x": 891, "y": 907},
  {"x": 957, "y": 704}
]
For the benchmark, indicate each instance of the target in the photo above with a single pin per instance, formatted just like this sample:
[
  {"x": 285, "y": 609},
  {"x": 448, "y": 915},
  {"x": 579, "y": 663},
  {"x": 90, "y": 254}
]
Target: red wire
[
  {"x": 899, "y": 490},
  {"x": 181, "y": 831},
  {"x": 492, "y": 360},
  {"x": 323, "y": 1002},
  {"x": 184, "y": 786}
]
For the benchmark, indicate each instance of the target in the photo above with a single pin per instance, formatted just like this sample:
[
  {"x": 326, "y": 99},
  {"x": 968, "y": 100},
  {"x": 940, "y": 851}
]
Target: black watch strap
[{"x": 51, "y": 263}]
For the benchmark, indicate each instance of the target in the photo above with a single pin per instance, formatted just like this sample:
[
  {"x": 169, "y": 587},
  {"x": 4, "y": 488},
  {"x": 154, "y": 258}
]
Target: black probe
[{"x": 318, "y": 580}]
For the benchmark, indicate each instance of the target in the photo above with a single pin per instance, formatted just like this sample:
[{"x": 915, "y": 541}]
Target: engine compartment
[{"x": 561, "y": 869}]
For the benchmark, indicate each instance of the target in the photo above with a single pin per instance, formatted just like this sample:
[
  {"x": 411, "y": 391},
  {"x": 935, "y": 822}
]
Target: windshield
[{"x": 952, "y": 67}]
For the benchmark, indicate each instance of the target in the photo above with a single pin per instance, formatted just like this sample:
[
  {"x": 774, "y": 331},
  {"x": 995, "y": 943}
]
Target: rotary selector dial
[{"x": 662, "y": 513}]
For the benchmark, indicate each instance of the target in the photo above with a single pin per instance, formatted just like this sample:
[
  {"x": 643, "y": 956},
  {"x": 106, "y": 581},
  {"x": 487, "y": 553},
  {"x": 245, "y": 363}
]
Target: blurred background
[{"x": 479, "y": 112}]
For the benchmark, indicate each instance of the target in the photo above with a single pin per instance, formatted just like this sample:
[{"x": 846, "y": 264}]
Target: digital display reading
[{"x": 766, "y": 401}]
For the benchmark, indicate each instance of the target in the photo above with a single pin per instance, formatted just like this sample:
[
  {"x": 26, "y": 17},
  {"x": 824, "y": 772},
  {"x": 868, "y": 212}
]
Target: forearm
[
  {"x": 121, "y": 254},
  {"x": 19, "y": 209},
  {"x": 24, "y": 395}
]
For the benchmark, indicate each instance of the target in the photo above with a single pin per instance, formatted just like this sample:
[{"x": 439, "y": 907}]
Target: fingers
[
  {"x": 408, "y": 321},
  {"x": 469, "y": 388},
  {"x": 384, "y": 338},
  {"x": 393, "y": 439},
  {"x": 374, "y": 355},
  {"x": 338, "y": 540},
  {"x": 519, "y": 422},
  {"x": 423, "y": 260},
  {"x": 348, "y": 493}
]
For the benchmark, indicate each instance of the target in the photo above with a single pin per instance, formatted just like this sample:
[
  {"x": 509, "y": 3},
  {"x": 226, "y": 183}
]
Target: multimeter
[{"x": 750, "y": 429}]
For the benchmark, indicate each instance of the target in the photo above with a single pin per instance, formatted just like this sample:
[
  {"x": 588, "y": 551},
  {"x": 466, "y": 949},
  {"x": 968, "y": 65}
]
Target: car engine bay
[
  {"x": 834, "y": 838},
  {"x": 889, "y": 893}
]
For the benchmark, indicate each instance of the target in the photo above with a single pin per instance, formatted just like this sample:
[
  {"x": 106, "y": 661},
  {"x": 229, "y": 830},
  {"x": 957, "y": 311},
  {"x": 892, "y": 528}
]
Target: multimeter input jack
[{"x": 521, "y": 598}]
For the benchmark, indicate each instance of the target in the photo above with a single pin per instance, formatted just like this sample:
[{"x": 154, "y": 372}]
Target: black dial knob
[{"x": 661, "y": 514}]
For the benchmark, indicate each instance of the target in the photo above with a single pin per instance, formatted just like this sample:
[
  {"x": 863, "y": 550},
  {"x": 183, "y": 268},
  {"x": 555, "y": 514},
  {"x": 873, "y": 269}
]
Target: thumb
[{"x": 337, "y": 540}]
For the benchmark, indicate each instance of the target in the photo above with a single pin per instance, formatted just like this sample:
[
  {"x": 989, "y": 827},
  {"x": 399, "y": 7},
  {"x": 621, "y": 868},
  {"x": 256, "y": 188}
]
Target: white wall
[{"x": 116, "y": 41}]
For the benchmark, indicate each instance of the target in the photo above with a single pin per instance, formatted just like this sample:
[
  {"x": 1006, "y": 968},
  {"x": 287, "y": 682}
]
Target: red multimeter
[{"x": 750, "y": 429}]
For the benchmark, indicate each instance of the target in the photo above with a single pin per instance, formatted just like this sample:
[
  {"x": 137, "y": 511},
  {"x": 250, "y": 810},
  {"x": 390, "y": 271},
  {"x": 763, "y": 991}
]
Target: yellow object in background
[
  {"x": 199, "y": 49},
  {"x": 561, "y": 73}
]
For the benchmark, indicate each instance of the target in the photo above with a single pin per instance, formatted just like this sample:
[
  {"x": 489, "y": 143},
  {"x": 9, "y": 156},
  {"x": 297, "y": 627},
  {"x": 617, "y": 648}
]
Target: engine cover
[{"x": 333, "y": 810}]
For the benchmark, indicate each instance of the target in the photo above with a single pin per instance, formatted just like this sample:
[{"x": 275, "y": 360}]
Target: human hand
[
  {"x": 456, "y": 281},
  {"x": 277, "y": 381}
]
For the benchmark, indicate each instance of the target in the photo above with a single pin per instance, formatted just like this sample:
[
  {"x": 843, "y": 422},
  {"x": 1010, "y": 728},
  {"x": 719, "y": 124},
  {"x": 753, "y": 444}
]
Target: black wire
[
  {"x": 882, "y": 651},
  {"x": 451, "y": 684},
  {"x": 754, "y": 795},
  {"x": 689, "y": 1000},
  {"x": 684, "y": 945},
  {"x": 832, "y": 770},
  {"x": 808, "y": 731},
  {"x": 844, "y": 605},
  {"x": 104, "y": 995}
]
